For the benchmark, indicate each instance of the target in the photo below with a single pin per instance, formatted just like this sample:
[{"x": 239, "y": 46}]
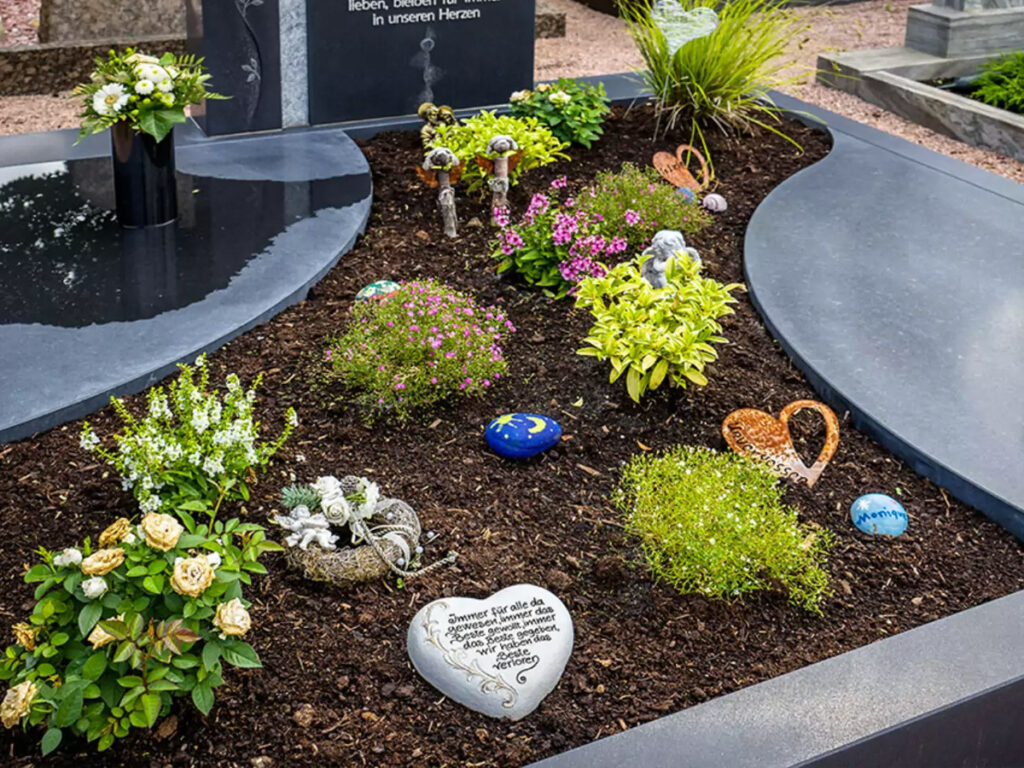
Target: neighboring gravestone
[
  {"x": 241, "y": 41},
  {"x": 500, "y": 656},
  {"x": 85, "y": 20},
  {"x": 379, "y": 58}
]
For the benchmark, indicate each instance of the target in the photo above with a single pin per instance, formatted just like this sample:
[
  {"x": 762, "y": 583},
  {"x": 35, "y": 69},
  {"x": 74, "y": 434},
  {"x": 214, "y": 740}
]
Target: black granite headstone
[{"x": 380, "y": 58}]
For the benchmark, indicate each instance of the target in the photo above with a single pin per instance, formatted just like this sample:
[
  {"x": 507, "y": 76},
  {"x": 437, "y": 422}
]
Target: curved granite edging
[
  {"x": 50, "y": 375},
  {"x": 895, "y": 282}
]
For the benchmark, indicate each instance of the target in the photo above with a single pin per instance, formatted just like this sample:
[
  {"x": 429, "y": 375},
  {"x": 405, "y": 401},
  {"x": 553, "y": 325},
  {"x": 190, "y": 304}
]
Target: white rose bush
[
  {"x": 147, "y": 92},
  {"x": 121, "y": 627},
  {"x": 194, "y": 448}
]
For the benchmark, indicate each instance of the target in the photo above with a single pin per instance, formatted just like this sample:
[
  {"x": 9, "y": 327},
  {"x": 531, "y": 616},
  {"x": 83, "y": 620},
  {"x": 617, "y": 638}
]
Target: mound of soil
[{"x": 337, "y": 687}]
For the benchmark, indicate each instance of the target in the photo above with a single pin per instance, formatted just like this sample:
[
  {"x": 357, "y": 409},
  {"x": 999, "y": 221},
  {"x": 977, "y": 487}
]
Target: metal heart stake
[
  {"x": 673, "y": 168},
  {"x": 680, "y": 26},
  {"x": 755, "y": 433},
  {"x": 500, "y": 656}
]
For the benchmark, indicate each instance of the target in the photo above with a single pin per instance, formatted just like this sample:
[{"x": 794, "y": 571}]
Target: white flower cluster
[
  {"x": 192, "y": 433},
  {"x": 559, "y": 98},
  {"x": 307, "y": 529},
  {"x": 151, "y": 78},
  {"x": 340, "y": 509}
]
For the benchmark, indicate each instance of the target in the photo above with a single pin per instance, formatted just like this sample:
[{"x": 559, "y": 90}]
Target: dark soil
[{"x": 642, "y": 650}]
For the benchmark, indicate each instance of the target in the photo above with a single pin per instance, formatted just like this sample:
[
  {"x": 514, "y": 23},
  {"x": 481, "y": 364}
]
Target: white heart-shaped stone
[
  {"x": 500, "y": 656},
  {"x": 679, "y": 25}
]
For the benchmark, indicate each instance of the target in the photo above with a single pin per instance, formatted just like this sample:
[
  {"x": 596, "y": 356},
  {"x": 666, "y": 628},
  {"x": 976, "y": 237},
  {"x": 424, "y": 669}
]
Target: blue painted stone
[
  {"x": 522, "y": 435},
  {"x": 686, "y": 193},
  {"x": 878, "y": 514},
  {"x": 377, "y": 290}
]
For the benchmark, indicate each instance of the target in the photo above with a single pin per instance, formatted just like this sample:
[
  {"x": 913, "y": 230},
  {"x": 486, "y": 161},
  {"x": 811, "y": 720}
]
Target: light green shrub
[
  {"x": 469, "y": 138},
  {"x": 650, "y": 334}
]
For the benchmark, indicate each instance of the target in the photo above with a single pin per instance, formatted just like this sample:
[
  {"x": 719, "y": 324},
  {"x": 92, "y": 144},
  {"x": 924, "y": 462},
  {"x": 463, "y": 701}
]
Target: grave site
[{"x": 384, "y": 383}]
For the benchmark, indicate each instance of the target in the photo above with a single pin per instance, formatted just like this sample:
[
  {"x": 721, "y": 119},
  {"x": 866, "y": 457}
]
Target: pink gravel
[
  {"x": 597, "y": 44},
  {"x": 19, "y": 21}
]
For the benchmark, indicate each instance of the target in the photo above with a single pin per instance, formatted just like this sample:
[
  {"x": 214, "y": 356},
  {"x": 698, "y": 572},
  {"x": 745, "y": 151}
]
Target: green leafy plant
[
  {"x": 469, "y": 139},
  {"x": 148, "y": 93},
  {"x": 414, "y": 348},
  {"x": 119, "y": 630},
  {"x": 634, "y": 203},
  {"x": 194, "y": 448},
  {"x": 722, "y": 79},
  {"x": 652, "y": 335},
  {"x": 574, "y": 111},
  {"x": 1001, "y": 83},
  {"x": 714, "y": 524}
]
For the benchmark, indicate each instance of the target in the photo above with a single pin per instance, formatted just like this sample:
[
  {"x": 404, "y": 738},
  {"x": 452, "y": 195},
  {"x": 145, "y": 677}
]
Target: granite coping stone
[{"x": 796, "y": 718}]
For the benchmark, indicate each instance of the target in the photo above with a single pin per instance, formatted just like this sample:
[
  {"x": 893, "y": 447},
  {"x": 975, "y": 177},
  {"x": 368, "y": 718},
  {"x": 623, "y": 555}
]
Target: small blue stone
[
  {"x": 522, "y": 435},
  {"x": 686, "y": 193},
  {"x": 879, "y": 515}
]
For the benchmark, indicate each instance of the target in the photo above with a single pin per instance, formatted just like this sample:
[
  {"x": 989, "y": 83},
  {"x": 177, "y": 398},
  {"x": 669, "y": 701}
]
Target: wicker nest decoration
[{"x": 385, "y": 533}]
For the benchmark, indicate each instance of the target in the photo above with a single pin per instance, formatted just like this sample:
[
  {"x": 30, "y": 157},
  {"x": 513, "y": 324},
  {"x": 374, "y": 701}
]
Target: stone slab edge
[{"x": 798, "y": 717}]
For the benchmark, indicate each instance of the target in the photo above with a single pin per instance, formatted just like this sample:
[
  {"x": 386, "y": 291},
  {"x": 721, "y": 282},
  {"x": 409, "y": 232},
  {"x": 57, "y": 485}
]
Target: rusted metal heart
[
  {"x": 756, "y": 433},
  {"x": 673, "y": 168}
]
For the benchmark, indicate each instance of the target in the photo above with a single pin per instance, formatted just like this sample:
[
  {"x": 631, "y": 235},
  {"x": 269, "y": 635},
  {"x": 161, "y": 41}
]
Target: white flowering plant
[
  {"x": 572, "y": 110},
  {"x": 120, "y": 628},
  {"x": 147, "y": 92},
  {"x": 194, "y": 449}
]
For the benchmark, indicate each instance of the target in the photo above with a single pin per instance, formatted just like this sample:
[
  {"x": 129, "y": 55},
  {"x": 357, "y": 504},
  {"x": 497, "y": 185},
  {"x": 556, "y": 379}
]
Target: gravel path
[
  {"x": 18, "y": 22},
  {"x": 597, "y": 43}
]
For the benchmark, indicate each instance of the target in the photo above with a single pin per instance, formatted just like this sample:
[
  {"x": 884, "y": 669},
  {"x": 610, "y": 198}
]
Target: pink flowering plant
[
  {"x": 555, "y": 244},
  {"x": 634, "y": 203},
  {"x": 419, "y": 346}
]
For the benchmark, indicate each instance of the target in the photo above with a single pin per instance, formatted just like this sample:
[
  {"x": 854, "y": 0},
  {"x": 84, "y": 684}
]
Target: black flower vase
[{"x": 144, "y": 186}]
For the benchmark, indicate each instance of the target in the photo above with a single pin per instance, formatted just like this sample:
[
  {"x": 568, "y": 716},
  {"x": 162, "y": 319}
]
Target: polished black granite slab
[
  {"x": 895, "y": 279},
  {"x": 88, "y": 309}
]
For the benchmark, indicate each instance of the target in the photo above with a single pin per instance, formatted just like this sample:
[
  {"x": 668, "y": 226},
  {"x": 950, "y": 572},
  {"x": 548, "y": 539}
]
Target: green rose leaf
[{"x": 51, "y": 740}]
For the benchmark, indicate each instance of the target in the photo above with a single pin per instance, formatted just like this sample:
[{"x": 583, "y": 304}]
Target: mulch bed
[{"x": 642, "y": 650}]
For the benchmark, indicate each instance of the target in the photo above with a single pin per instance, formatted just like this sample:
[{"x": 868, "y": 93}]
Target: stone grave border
[{"x": 896, "y": 79}]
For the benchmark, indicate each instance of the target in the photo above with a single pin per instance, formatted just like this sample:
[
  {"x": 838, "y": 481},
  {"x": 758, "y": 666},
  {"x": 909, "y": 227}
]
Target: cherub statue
[
  {"x": 307, "y": 529},
  {"x": 665, "y": 244},
  {"x": 433, "y": 116}
]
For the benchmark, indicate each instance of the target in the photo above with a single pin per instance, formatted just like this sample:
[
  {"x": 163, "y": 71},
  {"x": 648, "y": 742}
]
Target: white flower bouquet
[{"x": 148, "y": 93}]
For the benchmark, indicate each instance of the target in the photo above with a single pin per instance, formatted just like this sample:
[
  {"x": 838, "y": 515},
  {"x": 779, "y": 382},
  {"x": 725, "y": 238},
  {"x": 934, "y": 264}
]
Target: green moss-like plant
[
  {"x": 469, "y": 139},
  {"x": 714, "y": 524}
]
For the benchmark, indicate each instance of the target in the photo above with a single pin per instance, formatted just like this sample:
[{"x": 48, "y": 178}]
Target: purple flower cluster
[
  {"x": 578, "y": 267},
  {"x": 420, "y": 344}
]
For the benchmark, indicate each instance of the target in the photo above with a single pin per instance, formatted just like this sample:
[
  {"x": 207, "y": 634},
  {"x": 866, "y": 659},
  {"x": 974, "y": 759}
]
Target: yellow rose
[
  {"x": 17, "y": 703},
  {"x": 102, "y": 561},
  {"x": 161, "y": 531},
  {"x": 115, "y": 532},
  {"x": 192, "y": 575},
  {"x": 232, "y": 619},
  {"x": 25, "y": 635},
  {"x": 100, "y": 637},
  {"x": 543, "y": 88}
]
